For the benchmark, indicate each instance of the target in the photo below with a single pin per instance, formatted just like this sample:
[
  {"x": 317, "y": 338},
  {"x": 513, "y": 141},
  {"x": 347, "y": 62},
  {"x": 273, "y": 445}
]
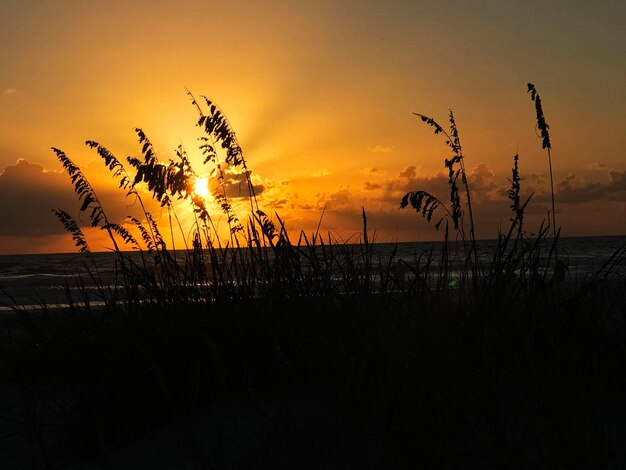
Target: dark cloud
[
  {"x": 28, "y": 194},
  {"x": 573, "y": 189},
  {"x": 485, "y": 187},
  {"x": 372, "y": 171},
  {"x": 490, "y": 204},
  {"x": 481, "y": 181},
  {"x": 236, "y": 185},
  {"x": 617, "y": 181},
  {"x": 371, "y": 186},
  {"x": 340, "y": 199},
  {"x": 596, "y": 166},
  {"x": 410, "y": 172},
  {"x": 277, "y": 203},
  {"x": 408, "y": 180}
]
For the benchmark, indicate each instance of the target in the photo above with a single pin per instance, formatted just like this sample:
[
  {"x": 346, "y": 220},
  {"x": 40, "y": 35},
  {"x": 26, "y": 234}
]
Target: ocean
[{"x": 44, "y": 279}]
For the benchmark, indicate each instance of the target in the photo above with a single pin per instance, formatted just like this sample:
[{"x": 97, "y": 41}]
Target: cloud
[
  {"x": 236, "y": 185},
  {"x": 573, "y": 188},
  {"x": 371, "y": 186},
  {"x": 339, "y": 199},
  {"x": 278, "y": 203},
  {"x": 380, "y": 149},
  {"x": 481, "y": 181},
  {"x": 409, "y": 173},
  {"x": 10, "y": 91},
  {"x": 596, "y": 166},
  {"x": 380, "y": 196},
  {"x": 372, "y": 171},
  {"x": 321, "y": 173},
  {"x": 28, "y": 193},
  {"x": 489, "y": 202},
  {"x": 617, "y": 181},
  {"x": 408, "y": 180}
]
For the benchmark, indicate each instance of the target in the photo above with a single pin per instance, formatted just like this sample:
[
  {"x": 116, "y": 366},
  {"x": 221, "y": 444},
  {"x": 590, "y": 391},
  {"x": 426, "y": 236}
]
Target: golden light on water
[{"x": 201, "y": 188}]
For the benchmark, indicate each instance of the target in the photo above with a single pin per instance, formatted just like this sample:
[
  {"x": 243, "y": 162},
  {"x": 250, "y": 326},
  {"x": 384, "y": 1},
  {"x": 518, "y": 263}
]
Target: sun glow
[{"x": 201, "y": 187}]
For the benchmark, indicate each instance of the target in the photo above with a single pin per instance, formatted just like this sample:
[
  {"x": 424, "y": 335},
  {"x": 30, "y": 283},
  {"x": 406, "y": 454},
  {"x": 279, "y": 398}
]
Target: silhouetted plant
[
  {"x": 86, "y": 194},
  {"x": 370, "y": 326},
  {"x": 219, "y": 132},
  {"x": 117, "y": 169},
  {"x": 128, "y": 238},
  {"x": 147, "y": 238},
  {"x": 514, "y": 195},
  {"x": 456, "y": 169},
  {"x": 425, "y": 203},
  {"x": 72, "y": 227},
  {"x": 127, "y": 184},
  {"x": 150, "y": 170},
  {"x": 164, "y": 180},
  {"x": 545, "y": 144}
]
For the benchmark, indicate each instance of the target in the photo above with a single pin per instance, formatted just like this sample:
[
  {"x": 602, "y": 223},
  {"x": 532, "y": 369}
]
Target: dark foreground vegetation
[{"x": 272, "y": 352}]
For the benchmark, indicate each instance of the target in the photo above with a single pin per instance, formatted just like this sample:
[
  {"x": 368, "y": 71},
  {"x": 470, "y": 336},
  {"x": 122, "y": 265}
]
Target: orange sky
[{"x": 320, "y": 95}]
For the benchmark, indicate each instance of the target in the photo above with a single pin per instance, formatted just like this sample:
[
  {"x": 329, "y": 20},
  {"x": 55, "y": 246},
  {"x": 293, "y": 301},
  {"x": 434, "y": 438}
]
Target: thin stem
[{"x": 552, "y": 193}]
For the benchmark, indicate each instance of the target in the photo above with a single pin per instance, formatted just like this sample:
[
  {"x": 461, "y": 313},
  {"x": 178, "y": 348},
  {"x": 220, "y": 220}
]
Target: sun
[{"x": 201, "y": 187}]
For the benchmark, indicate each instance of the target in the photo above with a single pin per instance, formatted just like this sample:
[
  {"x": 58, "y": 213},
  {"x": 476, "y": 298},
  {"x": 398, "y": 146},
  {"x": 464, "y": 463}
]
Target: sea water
[{"x": 47, "y": 279}]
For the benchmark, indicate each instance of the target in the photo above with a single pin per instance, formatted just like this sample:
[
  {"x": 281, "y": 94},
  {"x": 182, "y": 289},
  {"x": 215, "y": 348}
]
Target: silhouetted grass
[{"x": 336, "y": 355}]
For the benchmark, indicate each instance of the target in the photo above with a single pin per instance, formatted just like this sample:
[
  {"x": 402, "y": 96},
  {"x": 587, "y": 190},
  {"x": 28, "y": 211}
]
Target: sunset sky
[{"x": 321, "y": 96}]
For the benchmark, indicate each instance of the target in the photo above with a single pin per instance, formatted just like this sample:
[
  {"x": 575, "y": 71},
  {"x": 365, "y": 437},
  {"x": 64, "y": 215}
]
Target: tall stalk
[
  {"x": 545, "y": 143},
  {"x": 87, "y": 195},
  {"x": 425, "y": 203}
]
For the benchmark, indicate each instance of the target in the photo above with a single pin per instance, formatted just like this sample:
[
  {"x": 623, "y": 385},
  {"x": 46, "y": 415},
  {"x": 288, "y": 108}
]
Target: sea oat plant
[
  {"x": 312, "y": 351},
  {"x": 543, "y": 127}
]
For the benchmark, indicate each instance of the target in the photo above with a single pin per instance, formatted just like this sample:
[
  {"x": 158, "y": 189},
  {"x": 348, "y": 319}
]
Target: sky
[{"x": 321, "y": 96}]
